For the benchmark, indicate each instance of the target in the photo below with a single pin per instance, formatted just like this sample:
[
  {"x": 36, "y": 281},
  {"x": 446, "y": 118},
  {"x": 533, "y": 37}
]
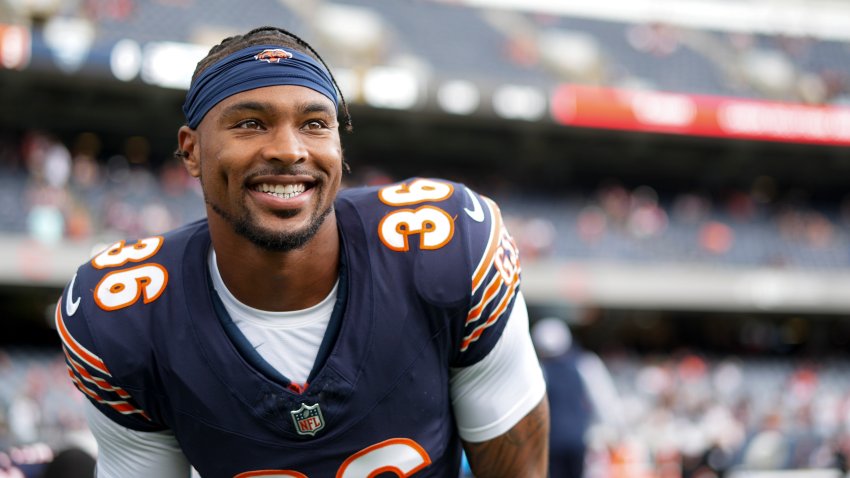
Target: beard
[{"x": 270, "y": 240}]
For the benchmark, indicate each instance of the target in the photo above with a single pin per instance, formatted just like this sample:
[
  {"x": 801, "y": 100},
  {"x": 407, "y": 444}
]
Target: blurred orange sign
[{"x": 699, "y": 115}]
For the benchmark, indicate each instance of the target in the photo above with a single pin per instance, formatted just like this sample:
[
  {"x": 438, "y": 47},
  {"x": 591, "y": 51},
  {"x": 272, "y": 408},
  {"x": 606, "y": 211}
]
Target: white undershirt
[
  {"x": 488, "y": 397},
  {"x": 288, "y": 341}
]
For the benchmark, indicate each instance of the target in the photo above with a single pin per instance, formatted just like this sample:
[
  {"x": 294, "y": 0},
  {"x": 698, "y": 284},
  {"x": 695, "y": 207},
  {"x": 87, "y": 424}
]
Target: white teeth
[{"x": 282, "y": 191}]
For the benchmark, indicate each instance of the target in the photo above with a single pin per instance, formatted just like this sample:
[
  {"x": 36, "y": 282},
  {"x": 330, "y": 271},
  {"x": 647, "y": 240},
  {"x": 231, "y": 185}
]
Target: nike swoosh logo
[
  {"x": 70, "y": 304},
  {"x": 477, "y": 213}
]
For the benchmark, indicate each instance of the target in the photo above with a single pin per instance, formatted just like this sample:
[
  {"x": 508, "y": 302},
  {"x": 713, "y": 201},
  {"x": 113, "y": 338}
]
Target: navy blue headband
[{"x": 250, "y": 68}]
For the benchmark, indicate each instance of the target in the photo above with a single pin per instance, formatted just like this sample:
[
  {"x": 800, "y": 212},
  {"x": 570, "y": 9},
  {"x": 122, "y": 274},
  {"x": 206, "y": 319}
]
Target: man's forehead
[{"x": 291, "y": 98}]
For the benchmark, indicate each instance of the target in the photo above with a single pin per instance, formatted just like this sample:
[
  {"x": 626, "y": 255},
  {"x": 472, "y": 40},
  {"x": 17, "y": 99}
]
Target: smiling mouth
[{"x": 282, "y": 191}]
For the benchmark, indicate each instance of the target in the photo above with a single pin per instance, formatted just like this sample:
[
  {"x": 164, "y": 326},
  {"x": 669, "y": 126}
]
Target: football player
[{"x": 301, "y": 330}]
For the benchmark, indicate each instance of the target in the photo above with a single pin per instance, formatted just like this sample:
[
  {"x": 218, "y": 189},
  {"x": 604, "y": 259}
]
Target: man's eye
[
  {"x": 248, "y": 124},
  {"x": 315, "y": 124}
]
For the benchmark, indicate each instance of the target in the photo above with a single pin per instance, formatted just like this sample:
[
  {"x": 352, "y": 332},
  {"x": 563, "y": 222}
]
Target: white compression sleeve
[
  {"x": 126, "y": 453},
  {"x": 493, "y": 395}
]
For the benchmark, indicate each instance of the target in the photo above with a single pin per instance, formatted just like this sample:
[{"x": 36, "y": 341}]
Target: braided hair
[{"x": 275, "y": 36}]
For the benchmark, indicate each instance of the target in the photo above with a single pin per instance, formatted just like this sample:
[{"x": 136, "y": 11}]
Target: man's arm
[
  {"x": 501, "y": 407},
  {"x": 125, "y": 453},
  {"x": 522, "y": 451}
]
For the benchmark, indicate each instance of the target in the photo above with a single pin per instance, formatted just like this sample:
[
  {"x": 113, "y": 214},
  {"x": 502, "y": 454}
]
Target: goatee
[{"x": 273, "y": 241}]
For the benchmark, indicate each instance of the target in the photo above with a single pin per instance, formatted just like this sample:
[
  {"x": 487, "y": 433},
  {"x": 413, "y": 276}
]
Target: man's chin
[
  {"x": 278, "y": 238},
  {"x": 275, "y": 241},
  {"x": 286, "y": 213}
]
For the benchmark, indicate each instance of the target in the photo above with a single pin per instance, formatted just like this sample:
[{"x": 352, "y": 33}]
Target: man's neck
[{"x": 279, "y": 281}]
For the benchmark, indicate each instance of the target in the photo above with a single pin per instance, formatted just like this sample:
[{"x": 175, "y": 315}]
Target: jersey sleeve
[
  {"x": 452, "y": 241},
  {"x": 494, "y": 284},
  {"x": 87, "y": 367}
]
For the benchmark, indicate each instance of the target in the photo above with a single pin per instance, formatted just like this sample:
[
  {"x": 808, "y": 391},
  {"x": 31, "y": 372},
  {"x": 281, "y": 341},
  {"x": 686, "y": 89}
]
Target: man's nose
[{"x": 285, "y": 145}]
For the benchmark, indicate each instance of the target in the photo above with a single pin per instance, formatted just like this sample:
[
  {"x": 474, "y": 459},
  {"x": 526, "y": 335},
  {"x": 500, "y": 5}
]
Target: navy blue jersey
[{"x": 429, "y": 278}]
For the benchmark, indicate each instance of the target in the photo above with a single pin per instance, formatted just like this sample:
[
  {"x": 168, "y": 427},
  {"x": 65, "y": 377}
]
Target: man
[{"x": 303, "y": 331}]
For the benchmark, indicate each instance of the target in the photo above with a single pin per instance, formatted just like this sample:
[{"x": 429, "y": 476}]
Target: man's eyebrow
[
  {"x": 317, "y": 107},
  {"x": 305, "y": 108},
  {"x": 245, "y": 106}
]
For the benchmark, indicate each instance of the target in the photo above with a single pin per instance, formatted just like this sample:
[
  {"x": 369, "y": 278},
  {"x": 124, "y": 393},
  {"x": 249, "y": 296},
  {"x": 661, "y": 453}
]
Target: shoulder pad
[{"x": 461, "y": 254}]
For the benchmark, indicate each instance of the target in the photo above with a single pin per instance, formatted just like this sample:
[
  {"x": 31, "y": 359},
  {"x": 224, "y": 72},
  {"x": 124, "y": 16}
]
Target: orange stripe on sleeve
[
  {"x": 494, "y": 317},
  {"x": 75, "y": 347},
  {"x": 99, "y": 382},
  {"x": 491, "y": 292},
  {"x": 121, "y": 406}
]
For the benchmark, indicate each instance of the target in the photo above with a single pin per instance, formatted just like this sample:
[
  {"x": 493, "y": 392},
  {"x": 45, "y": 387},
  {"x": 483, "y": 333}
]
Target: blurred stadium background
[{"x": 675, "y": 173}]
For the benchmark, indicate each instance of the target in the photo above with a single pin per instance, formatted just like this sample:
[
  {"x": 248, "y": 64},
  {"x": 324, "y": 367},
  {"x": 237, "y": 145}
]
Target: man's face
[{"x": 270, "y": 163}]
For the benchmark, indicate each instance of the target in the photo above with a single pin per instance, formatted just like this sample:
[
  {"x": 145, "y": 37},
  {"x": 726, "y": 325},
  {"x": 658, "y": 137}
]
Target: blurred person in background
[
  {"x": 70, "y": 463},
  {"x": 46, "y": 197},
  {"x": 25, "y": 410},
  {"x": 300, "y": 330},
  {"x": 580, "y": 391}
]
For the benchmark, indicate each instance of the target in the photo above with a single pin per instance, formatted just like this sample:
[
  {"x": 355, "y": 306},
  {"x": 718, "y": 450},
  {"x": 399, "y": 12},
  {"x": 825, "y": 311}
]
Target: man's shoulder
[
  {"x": 451, "y": 236},
  {"x": 119, "y": 309},
  {"x": 133, "y": 278},
  {"x": 450, "y": 243}
]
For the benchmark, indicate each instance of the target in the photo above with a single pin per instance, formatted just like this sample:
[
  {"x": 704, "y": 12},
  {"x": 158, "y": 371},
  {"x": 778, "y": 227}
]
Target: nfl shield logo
[{"x": 308, "y": 419}]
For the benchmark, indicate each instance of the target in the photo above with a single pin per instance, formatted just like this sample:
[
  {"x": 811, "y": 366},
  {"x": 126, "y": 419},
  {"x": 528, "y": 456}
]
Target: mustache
[{"x": 282, "y": 170}]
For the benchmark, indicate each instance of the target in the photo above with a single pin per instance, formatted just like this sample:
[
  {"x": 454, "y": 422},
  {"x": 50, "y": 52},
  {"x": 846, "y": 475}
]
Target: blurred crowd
[
  {"x": 715, "y": 415},
  {"x": 53, "y": 191},
  {"x": 752, "y": 227}
]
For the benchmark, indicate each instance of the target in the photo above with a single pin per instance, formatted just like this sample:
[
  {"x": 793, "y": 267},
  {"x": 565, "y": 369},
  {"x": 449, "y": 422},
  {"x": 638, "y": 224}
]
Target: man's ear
[{"x": 187, "y": 139}]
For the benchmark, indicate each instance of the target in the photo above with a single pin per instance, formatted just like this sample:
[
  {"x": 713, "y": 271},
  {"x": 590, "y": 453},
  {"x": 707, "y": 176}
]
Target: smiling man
[{"x": 300, "y": 330}]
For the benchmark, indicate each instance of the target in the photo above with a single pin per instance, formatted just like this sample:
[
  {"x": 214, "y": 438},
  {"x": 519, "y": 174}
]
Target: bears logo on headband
[{"x": 273, "y": 55}]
